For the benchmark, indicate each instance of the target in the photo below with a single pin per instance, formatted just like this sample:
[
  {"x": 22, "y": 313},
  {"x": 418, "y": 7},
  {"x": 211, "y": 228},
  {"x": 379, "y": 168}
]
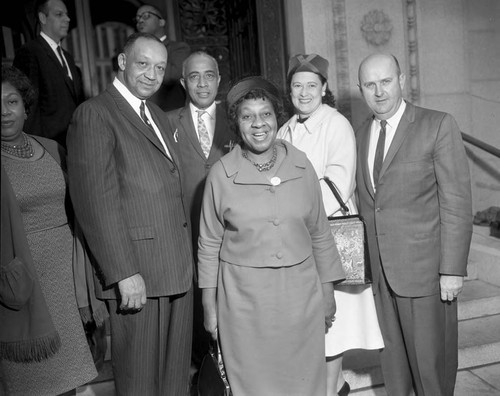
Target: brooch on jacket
[{"x": 230, "y": 145}]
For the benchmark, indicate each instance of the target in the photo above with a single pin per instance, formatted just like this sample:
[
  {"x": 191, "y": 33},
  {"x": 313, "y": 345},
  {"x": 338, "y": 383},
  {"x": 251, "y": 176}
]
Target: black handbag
[
  {"x": 212, "y": 379},
  {"x": 349, "y": 232}
]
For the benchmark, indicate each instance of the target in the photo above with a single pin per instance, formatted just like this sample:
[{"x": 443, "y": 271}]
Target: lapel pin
[{"x": 230, "y": 145}]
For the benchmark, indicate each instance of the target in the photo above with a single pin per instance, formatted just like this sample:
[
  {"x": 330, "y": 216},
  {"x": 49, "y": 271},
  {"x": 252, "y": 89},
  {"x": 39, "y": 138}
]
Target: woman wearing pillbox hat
[
  {"x": 267, "y": 260},
  {"x": 327, "y": 138}
]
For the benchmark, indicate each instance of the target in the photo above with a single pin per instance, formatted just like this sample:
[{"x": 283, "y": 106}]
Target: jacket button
[
  {"x": 377, "y": 209},
  {"x": 276, "y": 222},
  {"x": 185, "y": 225},
  {"x": 279, "y": 255}
]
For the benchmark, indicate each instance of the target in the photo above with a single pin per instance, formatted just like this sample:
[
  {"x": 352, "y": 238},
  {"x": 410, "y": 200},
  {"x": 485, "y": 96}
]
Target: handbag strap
[
  {"x": 330, "y": 184},
  {"x": 215, "y": 346}
]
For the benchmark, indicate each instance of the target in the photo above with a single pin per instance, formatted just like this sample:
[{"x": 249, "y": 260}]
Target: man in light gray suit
[
  {"x": 415, "y": 196},
  {"x": 125, "y": 186}
]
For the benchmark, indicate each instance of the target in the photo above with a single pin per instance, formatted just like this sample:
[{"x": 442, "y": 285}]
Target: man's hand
[
  {"x": 133, "y": 293},
  {"x": 451, "y": 286}
]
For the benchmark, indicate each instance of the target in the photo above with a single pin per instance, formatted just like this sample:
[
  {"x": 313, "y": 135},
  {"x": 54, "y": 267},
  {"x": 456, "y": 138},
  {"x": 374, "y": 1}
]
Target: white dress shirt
[
  {"x": 135, "y": 102},
  {"x": 54, "y": 46},
  {"x": 390, "y": 131},
  {"x": 208, "y": 117}
]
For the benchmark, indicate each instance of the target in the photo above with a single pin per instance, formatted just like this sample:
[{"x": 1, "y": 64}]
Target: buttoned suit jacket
[
  {"x": 171, "y": 94},
  {"x": 127, "y": 193},
  {"x": 419, "y": 220},
  {"x": 58, "y": 95},
  {"x": 195, "y": 166}
]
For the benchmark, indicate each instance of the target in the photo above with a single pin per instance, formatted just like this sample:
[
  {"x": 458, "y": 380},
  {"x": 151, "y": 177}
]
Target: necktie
[
  {"x": 59, "y": 51},
  {"x": 144, "y": 117},
  {"x": 379, "y": 152},
  {"x": 203, "y": 134}
]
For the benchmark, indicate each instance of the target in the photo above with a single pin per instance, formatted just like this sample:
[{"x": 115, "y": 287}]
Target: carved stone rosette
[{"x": 376, "y": 28}]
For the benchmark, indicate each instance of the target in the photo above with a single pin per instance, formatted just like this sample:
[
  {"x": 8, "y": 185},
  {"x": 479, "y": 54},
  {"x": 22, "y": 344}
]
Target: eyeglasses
[
  {"x": 195, "y": 77},
  {"x": 146, "y": 15}
]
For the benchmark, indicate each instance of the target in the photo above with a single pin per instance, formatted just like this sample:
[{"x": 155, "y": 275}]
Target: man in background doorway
[
  {"x": 52, "y": 71},
  {"x": 171, "y": 95}
]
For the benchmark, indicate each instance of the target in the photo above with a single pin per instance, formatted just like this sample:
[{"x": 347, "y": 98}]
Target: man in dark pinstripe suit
[{"x": 125, "y": 186}]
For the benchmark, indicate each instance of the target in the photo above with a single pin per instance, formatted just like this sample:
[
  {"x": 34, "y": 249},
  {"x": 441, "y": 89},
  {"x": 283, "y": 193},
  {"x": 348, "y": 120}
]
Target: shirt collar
[
  {"x": 210, "y": 110},
  {"x": 49, "y": 40},
  {"x": 311, "y": 123},
  {"x": 133, "y": 100},
  {"x": 393, "y": 122}
]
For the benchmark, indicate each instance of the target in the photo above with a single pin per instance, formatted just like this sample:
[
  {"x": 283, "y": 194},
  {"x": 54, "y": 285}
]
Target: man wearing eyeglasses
[
  {"x": 171, "y": 95},
  {"x": 203, "y": 135}
]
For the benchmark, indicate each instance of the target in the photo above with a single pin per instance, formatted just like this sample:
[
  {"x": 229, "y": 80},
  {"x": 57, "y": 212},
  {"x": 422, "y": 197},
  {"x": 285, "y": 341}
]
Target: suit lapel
[
  {"x": 220, "y": 133},
  {"x": 69, "y": 82},
  {"x": 189, "y": 129},
  {"x": 401, "y": 132},
  {"x": 167, "y": 137},
  {"x": 128, "y": 112}
]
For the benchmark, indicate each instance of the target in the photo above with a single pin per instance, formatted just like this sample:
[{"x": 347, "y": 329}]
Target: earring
[{"x": 323, "y": 93}]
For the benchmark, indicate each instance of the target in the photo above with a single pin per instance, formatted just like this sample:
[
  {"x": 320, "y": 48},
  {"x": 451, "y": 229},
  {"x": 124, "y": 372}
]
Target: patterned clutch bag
[{"x": 350, "y": 236}]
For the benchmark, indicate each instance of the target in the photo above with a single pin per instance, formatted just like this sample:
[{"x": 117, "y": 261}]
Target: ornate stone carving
[
  {"x": 376, "y": 28},
  {"x": 343, "y": 91},
  {"x": 412, "y": 42},
  {"x": 202, "y": 18}
]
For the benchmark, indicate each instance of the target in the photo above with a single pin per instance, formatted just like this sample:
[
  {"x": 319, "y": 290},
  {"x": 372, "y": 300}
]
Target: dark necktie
[
  {"x": 144, "y": 117},
  {"x": 66, "y": 69},
  {"x": 379, "y": 152}
]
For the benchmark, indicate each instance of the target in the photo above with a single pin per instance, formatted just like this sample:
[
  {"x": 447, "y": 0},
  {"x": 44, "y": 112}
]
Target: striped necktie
[{"x": 142, "y": 110}]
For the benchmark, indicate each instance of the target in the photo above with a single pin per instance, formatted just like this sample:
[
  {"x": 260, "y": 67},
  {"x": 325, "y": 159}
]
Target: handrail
[{"x": 482, "y": 145}]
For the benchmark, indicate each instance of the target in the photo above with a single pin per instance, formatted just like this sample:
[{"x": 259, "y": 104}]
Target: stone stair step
[
  {"x": 102, "y": 385},
  {"x": 478, "y": 299},
  {"x": 362, "y": 369},
  {"x": 479, "y": 339},
  {"x": 484, "y": 256}
]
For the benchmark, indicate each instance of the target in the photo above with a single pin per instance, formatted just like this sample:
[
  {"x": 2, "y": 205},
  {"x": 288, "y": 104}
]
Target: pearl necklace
[
  {"x": 266, "y": 165},
  {"x": 24, "y": 150}
]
